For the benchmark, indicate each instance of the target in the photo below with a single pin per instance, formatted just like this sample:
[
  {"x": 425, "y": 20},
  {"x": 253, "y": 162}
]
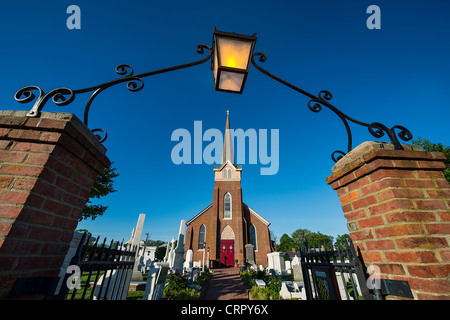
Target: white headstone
[
  {"x": 177, "y": 264},
  {"x": 135, "y": 242}
]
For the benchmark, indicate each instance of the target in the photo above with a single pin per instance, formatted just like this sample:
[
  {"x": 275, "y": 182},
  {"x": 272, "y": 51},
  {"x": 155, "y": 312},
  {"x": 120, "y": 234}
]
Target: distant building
[{"x": 228, "y": 224}]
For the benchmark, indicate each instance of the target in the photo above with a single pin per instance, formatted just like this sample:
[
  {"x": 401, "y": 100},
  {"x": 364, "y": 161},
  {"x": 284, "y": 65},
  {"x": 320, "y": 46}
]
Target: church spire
[{"x": 228, "y": 152}]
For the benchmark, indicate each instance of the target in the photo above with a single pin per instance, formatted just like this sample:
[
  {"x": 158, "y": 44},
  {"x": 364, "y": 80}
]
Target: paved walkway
[{"x": 225, "y": 284}]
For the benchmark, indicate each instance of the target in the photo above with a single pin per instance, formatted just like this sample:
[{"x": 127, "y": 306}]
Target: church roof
[
  {"x": 199, "y": 214},
  {"x": 253, "y": 212}
]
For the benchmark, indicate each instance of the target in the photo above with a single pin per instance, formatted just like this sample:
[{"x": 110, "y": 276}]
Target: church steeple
[
  {"x": 228, "y": 171},
  {"x": 228, "y": 152}
]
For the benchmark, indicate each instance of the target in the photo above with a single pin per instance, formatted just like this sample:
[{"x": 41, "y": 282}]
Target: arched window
[
  {"x": 253, "y": 237},
  {"x": 227, "y": 206},
  {"x": 226, "y": 173},
  {"x": 201, "y": 237}
]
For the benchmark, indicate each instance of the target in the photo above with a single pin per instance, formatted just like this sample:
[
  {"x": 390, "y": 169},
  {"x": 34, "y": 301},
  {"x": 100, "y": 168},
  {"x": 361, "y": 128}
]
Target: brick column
[
  {"x": 47, "y": 169},
  {"x": 397, "y": 204}
]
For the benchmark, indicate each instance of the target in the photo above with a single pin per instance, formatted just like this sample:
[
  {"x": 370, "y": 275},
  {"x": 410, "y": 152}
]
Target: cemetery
[{"x": 391, "y": 195}]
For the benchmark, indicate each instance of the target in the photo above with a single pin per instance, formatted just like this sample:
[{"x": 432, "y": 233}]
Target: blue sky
[{"x": 396, "y": 75}]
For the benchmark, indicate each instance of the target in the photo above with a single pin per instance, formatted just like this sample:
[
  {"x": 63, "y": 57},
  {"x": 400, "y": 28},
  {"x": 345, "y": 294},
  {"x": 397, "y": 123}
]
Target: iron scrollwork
[
  {"x": 316, "y": 103},
  {"x": 65, "y": 96}
]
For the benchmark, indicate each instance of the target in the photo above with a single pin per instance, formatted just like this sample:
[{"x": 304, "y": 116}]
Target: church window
[
  {"x": 253, "y": 237},
  {"x": 227, "y": 206},
  {"x": 226, "y": 173},
  {"x": 201, "y": 237}
]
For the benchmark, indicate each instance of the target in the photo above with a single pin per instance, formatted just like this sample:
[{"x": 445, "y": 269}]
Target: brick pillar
[
  {"x": 397, "y": 206},
  {"x": 47, "y": 169}
]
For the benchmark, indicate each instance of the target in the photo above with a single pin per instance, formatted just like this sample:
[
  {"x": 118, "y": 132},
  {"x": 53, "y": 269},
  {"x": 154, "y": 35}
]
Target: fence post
[
  {"x": 397, "y": 205},
  {"x": 47, "y": 168}
]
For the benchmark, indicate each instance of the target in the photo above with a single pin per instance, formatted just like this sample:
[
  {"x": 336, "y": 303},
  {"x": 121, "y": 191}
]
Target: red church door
[{"x": 227, "y": 252}]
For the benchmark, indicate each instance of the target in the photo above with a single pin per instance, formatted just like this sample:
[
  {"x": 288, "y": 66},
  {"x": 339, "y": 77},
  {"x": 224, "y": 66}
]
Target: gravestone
[
  {"x": 292, "y": 290},
  {"x": 188, "y": 264},
  {"x": 135, "y": 242},
  {"x": 297, "y": 269},
  {"x": 156, "y": 281},
  {"x": 276, "y": 263},
  {"x": 171, "y": 253},
  {"x": 250, "y": 255},
  {"x": 177, "y": 264}
]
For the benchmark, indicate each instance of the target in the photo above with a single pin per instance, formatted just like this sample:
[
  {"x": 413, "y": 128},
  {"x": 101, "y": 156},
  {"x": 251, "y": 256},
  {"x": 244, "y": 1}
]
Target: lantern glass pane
[
  {"x": 215, "y": 65},
  {"x": 231, "y": 81},
  {"x": 234, "y": 53}
]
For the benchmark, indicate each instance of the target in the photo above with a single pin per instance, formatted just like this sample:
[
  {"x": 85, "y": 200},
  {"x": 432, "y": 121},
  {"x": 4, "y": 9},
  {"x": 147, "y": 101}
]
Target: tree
[
  {"x": 103, "y": 185},
  {"x": 286, "y": 243},
  {"x": 340, "y": 240},
  {"x": 436, "y": 147},
  {"x": 305, "y": 237}
]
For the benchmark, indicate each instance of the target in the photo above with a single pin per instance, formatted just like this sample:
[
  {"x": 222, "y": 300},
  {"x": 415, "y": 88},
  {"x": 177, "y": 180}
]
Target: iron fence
[
  {"x": 333, "y": 273},
  {"x": 104, "y": 270}
]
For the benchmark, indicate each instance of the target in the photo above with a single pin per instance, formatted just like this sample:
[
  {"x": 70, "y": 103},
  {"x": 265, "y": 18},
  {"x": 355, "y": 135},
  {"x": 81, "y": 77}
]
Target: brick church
[{"x": 228, "y": 224}]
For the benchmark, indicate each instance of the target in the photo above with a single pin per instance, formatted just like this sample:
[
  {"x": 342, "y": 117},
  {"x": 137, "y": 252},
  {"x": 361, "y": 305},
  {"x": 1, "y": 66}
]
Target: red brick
[
  {"x": 415, "y": 183},
  {"x": 429, "y": 271},
  {"x": 33, "y": 263},
  {"x": 429, "y": 204},
  {"x": 399, "y": 230},
  {"x": 380, "y": 245},
  {"x": 38, "y": 159},
  {"x": 349, "y": 197},
  {"x": 438, "y": 193},
  {"x": 442, "y": 183},
  {"x": 50, "y": 136},
  {"x": 60, "y": 167},
  {"x": 438, "y": 228},
  {"x": 445, "y": 215},
  {"x": 24, "y": 183},
  {"x": 45, "y": 234},
  {"x": 64, "y": 223},
  {"x": 48, "y": 190},
  {"x": 430, "y": 174},
  {"x": 372, "y": 256},
  {"x": 445, "y": 255},
  {"x": 5, "y": 182},
  {"x": 410, "y": 216},
  {"x": 34, "y": 216},
  {"x": 355, "y": 215},
  {"x": 11, "y": 156},
  {"x": 391, "y": 268},
  {"x": 5, "y": 227},
  {"x": 364, "y": 202},
  {"x": 391, "y": 205},
  {"x": 399, "y": 193},
  {"x": 429, "y": 285},
  {"x": 57, "y": 208},
  {"x": 361, "y": 235},
  {"x": 425, "y": 296},
  {"x": 20, "y": 247},
  {"x": 371, "y": 222},
  {"x": 20, "y": 170},
  {"x": 68, "y": 185},
  {"x": 421, "y": 242},
  {"x": 13, "y": 197},
  {"x": 33, "y": 147},
  {"x": 411, "y": 256},
  {"x": 23, "y": 134},
  {"x": 10, "y": 212},
  {"x": 391, "y": 173}
]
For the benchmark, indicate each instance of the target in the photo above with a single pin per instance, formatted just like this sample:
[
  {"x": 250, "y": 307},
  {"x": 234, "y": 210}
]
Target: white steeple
[{"x": 228, "y": 152}]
